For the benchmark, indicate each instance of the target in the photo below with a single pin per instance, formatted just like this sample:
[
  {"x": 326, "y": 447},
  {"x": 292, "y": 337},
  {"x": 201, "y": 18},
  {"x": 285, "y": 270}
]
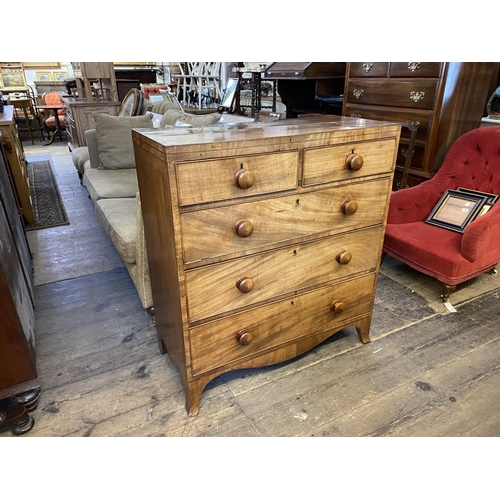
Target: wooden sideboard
[
  {"x": 445, "y": 100},
  {"x": 14, "y": 155},
  {"x": 19, "y": 386},
  {"x": 263, "y": 239}
]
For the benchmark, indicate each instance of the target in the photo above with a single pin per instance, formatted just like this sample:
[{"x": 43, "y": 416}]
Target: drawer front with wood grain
[
  {"x": 237, "y": 177},
  {"x": 254, "y": 331},
  {"x": 228, "y": 286},
  {"x": 347, "y": 161},
  {"x": 415, "y": 69},
  {"x": 368, "y": 69},
  {"x": 219, "y": 233},
  {"x": 421, "y": 118},
  {"x": 419, "y": 94}
]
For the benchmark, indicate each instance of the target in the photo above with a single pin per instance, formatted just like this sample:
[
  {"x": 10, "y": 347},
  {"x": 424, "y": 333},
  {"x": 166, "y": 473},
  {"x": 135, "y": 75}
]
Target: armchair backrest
[{"x": 52, "y": 97}]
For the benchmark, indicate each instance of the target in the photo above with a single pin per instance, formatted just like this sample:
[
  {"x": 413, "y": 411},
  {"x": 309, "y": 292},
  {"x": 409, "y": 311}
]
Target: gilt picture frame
[
  {"x": 456, "y": 209},
  {"x": 44, "y": 76}
]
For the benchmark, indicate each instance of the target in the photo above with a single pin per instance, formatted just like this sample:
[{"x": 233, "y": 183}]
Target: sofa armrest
[
  {"x": 141, "y": 259},
  {"x": 91, "y": 137},
  {"x": 482, "y": 237}
]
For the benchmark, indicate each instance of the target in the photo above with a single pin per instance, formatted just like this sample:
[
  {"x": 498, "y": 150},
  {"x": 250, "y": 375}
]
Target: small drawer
[
  {"x": 236, "y": 177},
  {"x": 422, "y": 118},
  {"x": 225, "y": 287},
  {"x": 368, "y": 69},
  {"x": 418, "y": 94},
  {"x": 221, "y": 233},
  {"x": 415, "y": 69},
  {"x": 348, "y": 161},
  {"x": 252, "y": 332}
]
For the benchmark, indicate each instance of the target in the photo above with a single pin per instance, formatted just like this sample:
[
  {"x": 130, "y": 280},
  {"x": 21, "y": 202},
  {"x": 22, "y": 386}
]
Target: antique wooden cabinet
[
  {"x": 445, "y": 100},
  {"x": 263, "y": 239},
  {"x": 19, "y": 386},
  {"x": 14, "y": 155}
]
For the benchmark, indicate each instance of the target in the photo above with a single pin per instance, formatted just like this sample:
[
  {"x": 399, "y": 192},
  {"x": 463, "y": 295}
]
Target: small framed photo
[
  {"x": 59, "y": 76},
  {"x": 456, "y": 209},
  {"x": 43, "y": 76},
  {"x": 490, "y": 197}
]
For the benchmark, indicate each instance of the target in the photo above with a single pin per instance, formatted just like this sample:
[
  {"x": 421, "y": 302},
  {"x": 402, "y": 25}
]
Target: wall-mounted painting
[
  {"x": 43, "y": 76},
  {"x": 59, "y": 76},
  {"x": 12, "y": 80},
  {"x": 42, "y": 65}
]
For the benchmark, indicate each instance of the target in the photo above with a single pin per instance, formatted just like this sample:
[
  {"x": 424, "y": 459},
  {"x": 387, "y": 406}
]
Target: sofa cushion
[
  {"x": 111, "y": 183},
  {"x": 114, "y": 139},
  {"x": 118, "y": 217},
  {"x": 172, "y": 116},
  {"x": 162, "y": 107}
]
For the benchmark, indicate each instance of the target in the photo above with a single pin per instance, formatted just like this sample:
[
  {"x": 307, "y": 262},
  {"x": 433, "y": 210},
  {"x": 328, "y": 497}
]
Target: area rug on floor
[{"x": 46, "y": 198}]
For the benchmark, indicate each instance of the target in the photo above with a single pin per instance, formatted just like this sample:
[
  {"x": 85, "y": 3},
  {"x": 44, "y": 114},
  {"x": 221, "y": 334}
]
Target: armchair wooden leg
[{"x": 447, "y": 291}]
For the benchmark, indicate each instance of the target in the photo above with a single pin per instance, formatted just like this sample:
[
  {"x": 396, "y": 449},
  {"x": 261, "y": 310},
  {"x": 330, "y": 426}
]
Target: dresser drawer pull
[
  {"x": 349, "y": 207},
  {"x": 244, "y": 285},
  {"x": 243, "y": 228},
  {"x": 343, "y": 257},
  {"x": 337, "y": 306},
  {"x": 244, "y": 179},
  {"x": 416, "y": 96},
  {"x": 244, "y": 337},
  {"x": 357, "y": 93},
  {"x": 413, "y": 66},
  {"x": 367, "y": 67},
  {"x": 354, "y": 162}
]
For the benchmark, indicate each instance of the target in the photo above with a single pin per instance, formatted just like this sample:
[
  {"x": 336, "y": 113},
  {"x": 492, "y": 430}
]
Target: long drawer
[
  {"x": 236, "y": 177},
  {"x": 254, "y": 331},
  {"x": 221, "y": 288},
  {"x": 347, "y": 161},
  {"x": 394, "y": 92},
  {"x": 420, "y": 117},
  {"x": 237, "y": 230}
]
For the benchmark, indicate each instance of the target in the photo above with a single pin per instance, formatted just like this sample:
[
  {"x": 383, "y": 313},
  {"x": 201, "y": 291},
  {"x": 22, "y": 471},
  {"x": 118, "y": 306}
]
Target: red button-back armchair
[{"x": 472, "y": 162}]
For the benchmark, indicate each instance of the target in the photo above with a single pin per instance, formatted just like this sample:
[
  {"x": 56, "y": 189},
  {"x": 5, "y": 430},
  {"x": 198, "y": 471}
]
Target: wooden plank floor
[{"x": 427, "y": 372}]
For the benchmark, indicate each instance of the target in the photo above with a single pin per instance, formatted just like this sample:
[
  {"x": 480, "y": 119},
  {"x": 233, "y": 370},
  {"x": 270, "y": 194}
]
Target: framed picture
[
  {"x": 12, "y": 80},
  {"x": 456, "y": 209},
  {"x": 59, "y": 76},
  {"x": 490, "y": 197},
  {"x": 42, "y": 64},
  {"x": 43, "y": 76}
]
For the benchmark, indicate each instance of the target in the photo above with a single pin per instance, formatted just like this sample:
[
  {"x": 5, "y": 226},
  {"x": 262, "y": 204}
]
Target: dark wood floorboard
[{"x": 427, "y": 372}]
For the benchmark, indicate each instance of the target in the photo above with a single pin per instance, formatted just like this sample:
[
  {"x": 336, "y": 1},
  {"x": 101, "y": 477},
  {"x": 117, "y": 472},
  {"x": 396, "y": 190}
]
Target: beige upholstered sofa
[{"x": 107, "y": 169}]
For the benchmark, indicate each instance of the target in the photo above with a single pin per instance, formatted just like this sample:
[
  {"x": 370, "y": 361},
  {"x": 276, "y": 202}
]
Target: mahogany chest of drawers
[
  {"x": 444, "y": 100},
  {"x": 264, "y": 239}
]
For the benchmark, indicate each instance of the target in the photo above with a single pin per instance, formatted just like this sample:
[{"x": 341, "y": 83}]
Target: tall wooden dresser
[
  {"x": 263, "y": 239},
  {"x": 444, "y": 99},
  {"x": 19, "y": 386}
]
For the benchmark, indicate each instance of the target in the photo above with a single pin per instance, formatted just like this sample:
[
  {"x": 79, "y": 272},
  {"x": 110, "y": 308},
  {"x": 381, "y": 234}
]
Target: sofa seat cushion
[
  {"x": 111, "y": 183},
  {"x": 118, "y": 217},
  {"x": 114, "y": 139}
]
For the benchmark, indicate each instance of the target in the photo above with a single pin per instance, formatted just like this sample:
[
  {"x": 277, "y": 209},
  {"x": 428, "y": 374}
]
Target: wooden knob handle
[
  {"x": 244, "y": 285},
  {"x": 343, "y": 257},
  {"x": 244, "y": 179},
  {"x": 243, "y": 228},
  {"x": 354, "y": 162},
  {"x": 337, "y": 306},
  {"x": 244, "y": 337},
  {"x": 349, "y": 207}
]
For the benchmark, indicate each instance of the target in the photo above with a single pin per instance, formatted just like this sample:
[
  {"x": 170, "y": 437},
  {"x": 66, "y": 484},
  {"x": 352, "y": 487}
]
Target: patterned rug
[{"x": 45, "y": 196}]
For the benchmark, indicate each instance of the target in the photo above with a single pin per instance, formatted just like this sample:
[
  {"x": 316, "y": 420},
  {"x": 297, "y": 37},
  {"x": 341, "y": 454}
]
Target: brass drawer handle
[
  {"x": 416, "y": 96},
  {"x": 404, "y": 152},
  {"x": 244, "y": 337},
  {"x": 244, "y": 285},
  {"x": 415, "y": 124},
  {"x": 349, "y": 207},
  {"x": 413, "y": 66},
  {"x": 357, "y": 93},
  {"x": 343, "y": 257},
  {"x": 244, "y": 228},
  {"x": 367, "y": 67},
  {"x": 354, "y": 162},
  {"x": 337, "y": 306},
  {"x": 244, "y": 179}
]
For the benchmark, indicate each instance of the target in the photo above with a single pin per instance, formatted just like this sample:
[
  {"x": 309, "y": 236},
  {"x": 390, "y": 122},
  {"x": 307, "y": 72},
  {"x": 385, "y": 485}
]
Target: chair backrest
[
  {"x": 52, "y": 97},
  {"x": 472, "y": 162}
]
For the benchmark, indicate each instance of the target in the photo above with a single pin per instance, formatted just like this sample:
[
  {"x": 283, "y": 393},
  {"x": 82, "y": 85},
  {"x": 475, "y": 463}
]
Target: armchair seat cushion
[{"x": 111, "y": 183}]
